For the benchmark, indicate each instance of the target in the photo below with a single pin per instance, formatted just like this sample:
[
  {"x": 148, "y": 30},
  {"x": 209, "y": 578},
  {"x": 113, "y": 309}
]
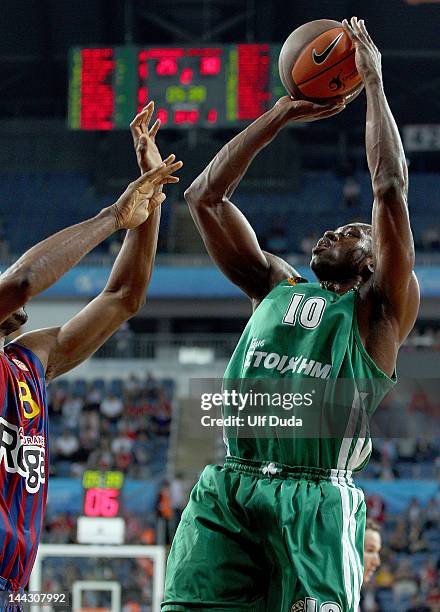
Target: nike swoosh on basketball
[{"x": 319, "y": 58}]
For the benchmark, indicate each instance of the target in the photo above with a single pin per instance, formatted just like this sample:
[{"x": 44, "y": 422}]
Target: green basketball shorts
[{"x": 265, "y": 537}]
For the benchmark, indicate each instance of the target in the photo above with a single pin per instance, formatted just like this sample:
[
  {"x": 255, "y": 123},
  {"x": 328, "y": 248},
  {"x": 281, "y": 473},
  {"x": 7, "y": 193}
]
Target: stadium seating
[{"x": 69, "y": 197}]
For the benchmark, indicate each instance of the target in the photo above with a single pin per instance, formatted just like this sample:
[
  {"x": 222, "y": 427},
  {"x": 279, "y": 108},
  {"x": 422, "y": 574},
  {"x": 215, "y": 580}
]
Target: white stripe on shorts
[{"x": 351, "y": 498}]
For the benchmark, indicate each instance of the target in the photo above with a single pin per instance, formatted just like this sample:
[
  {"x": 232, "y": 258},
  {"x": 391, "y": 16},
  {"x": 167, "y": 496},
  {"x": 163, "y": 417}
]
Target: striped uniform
[
  {"x": 24, "y": 463},
  {"x": 285, "y": 505}
]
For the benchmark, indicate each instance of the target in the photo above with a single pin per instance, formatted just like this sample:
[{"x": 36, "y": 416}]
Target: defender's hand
[
  {"x": 144, "y": 139},
  {"x": 302, "y": 110},
  {"x": 368, "y": 57},
  {"x": 141, "y": 197}
]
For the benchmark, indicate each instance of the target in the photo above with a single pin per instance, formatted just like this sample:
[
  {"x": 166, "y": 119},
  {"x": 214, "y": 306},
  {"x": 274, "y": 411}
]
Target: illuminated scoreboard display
[
  {"x": 102, "y": 493},
  {"x": 218, "y": 86}
]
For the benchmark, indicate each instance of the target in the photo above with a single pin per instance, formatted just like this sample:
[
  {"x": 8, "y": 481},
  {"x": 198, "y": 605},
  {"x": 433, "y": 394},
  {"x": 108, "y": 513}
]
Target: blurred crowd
[
  {"x": 408, "y": 578},
  {"x": 404, "y": 457},
  {"x": 122, "y": 425},
  {"x": 423, "y": 338}
]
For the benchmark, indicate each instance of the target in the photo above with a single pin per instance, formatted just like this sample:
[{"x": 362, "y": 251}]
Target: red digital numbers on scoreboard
[
  {"x": 253, "y": 80},
  {"x": 186, "y": 116},
  {"x": 162, "y": 114},
  {"x": 183, "y": 83},
  {"x": 166, "y": 67},
  {"x": 97, "y": 96},
  {"x": 186, "y": 76},
  {"x": 212, "y": 115},
  {"x": 101, "y": 502},
  {"x": 210, "y": 65},
  {"x": 191, "y": 86},
  {"x": 102, "y": 492}
]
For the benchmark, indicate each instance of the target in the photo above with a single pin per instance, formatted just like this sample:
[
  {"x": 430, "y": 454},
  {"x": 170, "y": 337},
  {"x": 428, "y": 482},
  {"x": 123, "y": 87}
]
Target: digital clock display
[
  {"x": 102, "y": 493},
  {"x": 218, "y": 86}
]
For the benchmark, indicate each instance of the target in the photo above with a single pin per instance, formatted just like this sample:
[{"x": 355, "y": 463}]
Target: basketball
[{"x": 317, "y": 62}]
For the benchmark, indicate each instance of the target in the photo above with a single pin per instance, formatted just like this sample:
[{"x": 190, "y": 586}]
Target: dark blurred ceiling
[{"x": 36, "y": 35}]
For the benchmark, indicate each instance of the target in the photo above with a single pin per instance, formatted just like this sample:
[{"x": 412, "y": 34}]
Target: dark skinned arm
[
  {"x": 227, "y": 234},
  {"x": 42, "y": 265},
  {"x": 62, "y": 348},
  {"x": 395, "y": 288}
]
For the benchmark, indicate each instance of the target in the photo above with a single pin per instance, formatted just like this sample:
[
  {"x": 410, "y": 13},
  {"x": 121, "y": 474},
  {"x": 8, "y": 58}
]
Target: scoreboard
[
  {"x": 102, "y": 493},
  {"x": 219, "y": 86}
]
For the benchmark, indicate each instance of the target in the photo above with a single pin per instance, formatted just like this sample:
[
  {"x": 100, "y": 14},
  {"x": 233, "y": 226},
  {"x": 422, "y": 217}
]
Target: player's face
[
  {"x": 372, "y": 546},
  {"x": 342, "y": 254},
  {"x": 14, "y": 322}
]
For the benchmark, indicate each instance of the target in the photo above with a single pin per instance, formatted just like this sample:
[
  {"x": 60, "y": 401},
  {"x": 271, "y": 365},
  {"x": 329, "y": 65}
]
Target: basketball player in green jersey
[{"x": 280, "y": 528}]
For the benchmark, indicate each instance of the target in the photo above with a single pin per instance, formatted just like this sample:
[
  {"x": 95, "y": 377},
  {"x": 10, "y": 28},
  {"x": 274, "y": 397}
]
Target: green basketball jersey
[{"x": 303, "y": 343}]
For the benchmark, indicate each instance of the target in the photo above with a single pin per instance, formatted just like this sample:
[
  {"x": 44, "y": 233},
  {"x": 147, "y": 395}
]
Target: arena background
[{"x": 127, "y": 410}]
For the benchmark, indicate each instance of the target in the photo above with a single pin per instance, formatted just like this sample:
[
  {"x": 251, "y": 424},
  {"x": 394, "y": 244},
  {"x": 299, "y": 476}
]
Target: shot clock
[
  {"x": 102, "y": 493},
  {"x": 218, "y": 86}
]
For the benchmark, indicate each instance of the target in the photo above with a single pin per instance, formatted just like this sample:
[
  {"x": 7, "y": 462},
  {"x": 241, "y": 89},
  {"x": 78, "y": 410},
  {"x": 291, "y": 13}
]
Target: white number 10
[{"x": 309, "y": 317}]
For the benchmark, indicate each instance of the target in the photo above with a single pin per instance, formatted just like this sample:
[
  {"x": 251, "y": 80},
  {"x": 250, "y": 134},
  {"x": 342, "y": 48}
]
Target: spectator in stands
[
  {"x": 398, "y": 540},
  {"x": 405, "y": 583},
  {"x": 384, "y": 577},
  {"x": 432, "y": 514},
  {"x": 60, "y": 529},
  {"x": 417, "y": 605},
  {"x": 152, "y": 387},
  {"x": 93, "y": 398},
  {"x": 71, "y": 411},
  {"x": 386, "y": 469},
  {"x": 376, "y": 508},
  {"x": 372, "y": 548},
  {"x": 161, "y": 419},
  {"x": 416, "y": 540},
  {"x": 414, "y": 512},
  {"x": 165, "y": 514},
  {"x": 428, "y": 576},
  {"x": 102, "y": 457},
  {"x": 433, "y": 599},
  {"x": 132, "y": 386},
  {"x": 406, "y": 449},
  {"x": 122, "y": 443},
  {"x": 140, "y": 451},
  {"x": 66, "y": 445},
  {"x": 111, "y": 407}
]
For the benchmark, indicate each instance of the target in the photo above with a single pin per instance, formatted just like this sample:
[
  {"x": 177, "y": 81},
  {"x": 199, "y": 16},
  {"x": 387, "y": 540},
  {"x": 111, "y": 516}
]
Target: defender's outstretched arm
[
  {"x": 228, "y": 236},
  {"x": 62, "y": 348}
]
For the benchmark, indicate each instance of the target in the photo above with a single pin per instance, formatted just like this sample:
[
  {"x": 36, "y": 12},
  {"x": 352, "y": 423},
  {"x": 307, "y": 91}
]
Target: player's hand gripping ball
[{"x": 317, "y": 63}]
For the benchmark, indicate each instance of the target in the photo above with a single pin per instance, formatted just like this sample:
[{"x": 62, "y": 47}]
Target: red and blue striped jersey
[{"x": 24, "y": 456}]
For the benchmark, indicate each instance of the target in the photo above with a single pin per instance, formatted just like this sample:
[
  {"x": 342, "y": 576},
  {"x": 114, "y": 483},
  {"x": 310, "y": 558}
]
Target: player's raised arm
[
  {"x": 228, "y": 236},
  {"x": 394, "y": 282},
  {"x": 62, "y": 348}
]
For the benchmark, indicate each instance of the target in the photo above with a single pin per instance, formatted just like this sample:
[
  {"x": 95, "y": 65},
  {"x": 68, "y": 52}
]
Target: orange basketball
[{"x": 317, "y": 62}]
